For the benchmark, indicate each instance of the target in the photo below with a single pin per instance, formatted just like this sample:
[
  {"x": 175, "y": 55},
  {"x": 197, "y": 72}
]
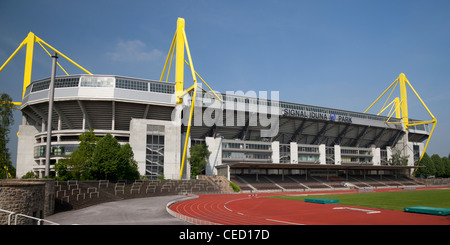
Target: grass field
[{"x": 388, "y": 200}]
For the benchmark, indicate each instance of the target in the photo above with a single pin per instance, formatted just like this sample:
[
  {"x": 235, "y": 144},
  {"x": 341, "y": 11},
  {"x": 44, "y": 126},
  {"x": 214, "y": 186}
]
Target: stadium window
[
  {"x": 66, "y": 82},
  {"x": 92, "y": 81},
  {"x": 133, "y": 85},
  {"x": 155, "y": 151},
  {"x": 38, "y": 86}
]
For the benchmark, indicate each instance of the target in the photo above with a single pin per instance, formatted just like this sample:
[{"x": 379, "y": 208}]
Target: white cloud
[{"x": 134, "y": 50}]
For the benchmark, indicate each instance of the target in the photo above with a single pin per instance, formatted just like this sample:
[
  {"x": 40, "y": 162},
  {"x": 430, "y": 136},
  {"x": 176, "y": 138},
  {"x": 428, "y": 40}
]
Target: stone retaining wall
[{"x": 29, "y": 197}]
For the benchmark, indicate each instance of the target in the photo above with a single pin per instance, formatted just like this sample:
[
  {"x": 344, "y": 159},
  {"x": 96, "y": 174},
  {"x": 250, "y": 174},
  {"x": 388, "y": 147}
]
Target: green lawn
[{"x": 388, "y": 200}]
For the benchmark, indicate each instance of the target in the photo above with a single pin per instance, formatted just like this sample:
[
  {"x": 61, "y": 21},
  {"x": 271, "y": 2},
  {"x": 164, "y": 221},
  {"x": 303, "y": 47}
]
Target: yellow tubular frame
[
  {"x": 51, "y": 56},
  {"x": 180, "y": 43},
  {"x": 29, "y": 41},
  {"x": 401, "y": 108},
  {"x": 194, "y": 87}
]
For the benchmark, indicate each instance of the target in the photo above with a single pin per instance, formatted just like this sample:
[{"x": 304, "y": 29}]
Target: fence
[{"x": 13, "y": 215}]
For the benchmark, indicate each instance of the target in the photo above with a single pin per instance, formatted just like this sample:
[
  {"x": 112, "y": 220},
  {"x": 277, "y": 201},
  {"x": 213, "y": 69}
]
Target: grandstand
[{"x": 276, "y": 183}]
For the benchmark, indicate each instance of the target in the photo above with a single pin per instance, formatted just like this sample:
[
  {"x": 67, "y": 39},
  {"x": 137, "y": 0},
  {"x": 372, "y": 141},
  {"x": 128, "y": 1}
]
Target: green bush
[{"x": 235, "y": 187}]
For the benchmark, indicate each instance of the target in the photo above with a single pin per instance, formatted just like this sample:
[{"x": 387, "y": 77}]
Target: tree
[
  {"x": 6, "y": 112},
  {"x": 428, "y": 168},
  {"x": 104, "y": 158},
  {"x": 446, "y": 163},
  {"x": 88, "y": 141},
  {"x": 126, "y": 165},
  {"x": 438, "y": 165},
  {"x": 199, "y": 153},
  {"x": 98, "y": 159},
  {"x": 30, "y": 175},
  {"x": 112, "y": 161},
  {"x": 398, "y": 160},
  {"x": 78, "y": 164},
  {"x": 62, "y": 168}
]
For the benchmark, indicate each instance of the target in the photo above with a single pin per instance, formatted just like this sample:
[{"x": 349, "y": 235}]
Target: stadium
[
  {"x": 248, "y": 133},
  {"x": 256, "y": 140},
  {"x": 310, "y": 140}
]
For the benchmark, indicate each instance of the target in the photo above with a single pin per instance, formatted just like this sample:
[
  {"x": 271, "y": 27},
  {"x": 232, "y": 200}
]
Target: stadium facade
[{"x": 246, "y": 133}]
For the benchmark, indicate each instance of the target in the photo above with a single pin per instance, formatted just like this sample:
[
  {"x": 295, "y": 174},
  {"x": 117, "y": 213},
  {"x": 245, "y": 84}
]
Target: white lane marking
[
  {"x": 284, "y": 222},
  {"x": 359, "y": 209}
]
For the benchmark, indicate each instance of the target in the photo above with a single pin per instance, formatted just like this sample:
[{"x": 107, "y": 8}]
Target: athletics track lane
[
  {"x": 212, "y": 208},
  {"x": 243, "y": 209}
]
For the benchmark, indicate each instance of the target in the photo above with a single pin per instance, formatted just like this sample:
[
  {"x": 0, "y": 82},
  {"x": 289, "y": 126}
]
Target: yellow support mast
[
  {"x": 179, "y": 60},
  {"x": 31, "y": 38},
  {"x": 401, "y": 107},
  {"x": 29, "y": 42},
  {"x": 177, "y": 48},
  {"x": 404, "y": 100}
]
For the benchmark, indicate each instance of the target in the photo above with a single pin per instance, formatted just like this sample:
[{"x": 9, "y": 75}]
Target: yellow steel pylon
[
  {"x": 180, "y": 43},
  {"x": 401, "y": 107},
  {"x": 29, "y": 42}
]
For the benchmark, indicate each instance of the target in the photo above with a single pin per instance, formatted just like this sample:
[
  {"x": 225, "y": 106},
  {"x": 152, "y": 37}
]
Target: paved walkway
[{"x": 139, "y": 211}]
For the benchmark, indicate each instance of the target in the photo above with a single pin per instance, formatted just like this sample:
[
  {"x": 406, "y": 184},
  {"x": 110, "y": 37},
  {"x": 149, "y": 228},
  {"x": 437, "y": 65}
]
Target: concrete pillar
[
  {"x": 388, "y": 153},
  {"x": 276, "y": 152},
  {"x": 409, "y": 151},
  {"x": 224, "y": 171},
  {"x": 138, "y": 142},
  {"x": 376, "y": 156},
  {"x": 294, "y": 152},
  {"x": 337, "y": 154},
  {"x": 323, "y": 154},
  {"x": 25, "y": 150},
  {"x": 215, "y": 158}
]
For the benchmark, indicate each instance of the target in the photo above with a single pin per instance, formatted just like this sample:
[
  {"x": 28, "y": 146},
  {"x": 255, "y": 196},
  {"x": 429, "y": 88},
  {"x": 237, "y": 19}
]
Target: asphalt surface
[{"x": 139, "y": 211}]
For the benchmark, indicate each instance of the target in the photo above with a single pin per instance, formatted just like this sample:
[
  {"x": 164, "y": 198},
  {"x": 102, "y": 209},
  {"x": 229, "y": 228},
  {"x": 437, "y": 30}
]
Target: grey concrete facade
[{"x": 172, "y": 146}]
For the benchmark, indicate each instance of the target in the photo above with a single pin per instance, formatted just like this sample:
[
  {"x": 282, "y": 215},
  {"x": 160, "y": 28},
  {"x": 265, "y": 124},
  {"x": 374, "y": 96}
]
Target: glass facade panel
[
  {"x": 66, "y": 82},
  {"x": 230, "y": 145},
  {"x": 356, "y": 155},
  {"x": 38, "y": 86},
  {"x": 94, "y": 81},
  {"x": 312, "y": 149},
  {"x": 55, "y": 150},
  {"x": 131, "y": 84},
  {"x": 162, "y": 88},
  {"x": 154, "y": 164},
  {"x": 285, "y": 153},
  {"x": 246, "y": 151},
  {"x": 308, "y": 158}
]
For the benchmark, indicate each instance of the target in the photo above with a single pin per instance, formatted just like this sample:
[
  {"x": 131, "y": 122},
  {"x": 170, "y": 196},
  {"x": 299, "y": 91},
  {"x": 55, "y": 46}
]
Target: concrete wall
[
  {"x": 29, "y": 197},
  {"x": 215, "y": 158},
  {"x": 172, "y": 146},
  {"x": 25, "y": 149}
]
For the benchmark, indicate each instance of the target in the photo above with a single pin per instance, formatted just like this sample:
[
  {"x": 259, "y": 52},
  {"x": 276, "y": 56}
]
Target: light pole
[{"x": 50, "y": 112}]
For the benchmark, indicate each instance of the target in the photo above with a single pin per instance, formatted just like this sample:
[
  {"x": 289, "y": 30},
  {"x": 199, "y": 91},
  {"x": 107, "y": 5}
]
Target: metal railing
[{"x": 14, "y": 215}]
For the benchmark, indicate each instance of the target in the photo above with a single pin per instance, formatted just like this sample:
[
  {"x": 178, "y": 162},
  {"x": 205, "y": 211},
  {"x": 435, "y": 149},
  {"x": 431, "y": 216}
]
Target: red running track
[{"x": 243, "y": 209}]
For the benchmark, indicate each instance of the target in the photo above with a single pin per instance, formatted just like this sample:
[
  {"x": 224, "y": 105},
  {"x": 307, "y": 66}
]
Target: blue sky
[{"x": 339, "y": 54}]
